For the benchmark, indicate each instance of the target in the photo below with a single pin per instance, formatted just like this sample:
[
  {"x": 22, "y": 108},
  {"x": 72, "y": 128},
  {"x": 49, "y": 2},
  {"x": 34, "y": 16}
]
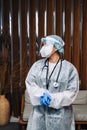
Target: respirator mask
[{"x": 46, "y": 50}]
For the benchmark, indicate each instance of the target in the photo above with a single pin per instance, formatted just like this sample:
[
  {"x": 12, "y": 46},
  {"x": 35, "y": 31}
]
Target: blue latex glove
[{"x": 45, "y": 99}]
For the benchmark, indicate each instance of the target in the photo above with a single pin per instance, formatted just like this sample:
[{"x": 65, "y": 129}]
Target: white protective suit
[{"x": 59, "y": 114}]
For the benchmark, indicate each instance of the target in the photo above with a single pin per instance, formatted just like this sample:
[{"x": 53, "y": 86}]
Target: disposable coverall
[{"x": 59, "y": 114}]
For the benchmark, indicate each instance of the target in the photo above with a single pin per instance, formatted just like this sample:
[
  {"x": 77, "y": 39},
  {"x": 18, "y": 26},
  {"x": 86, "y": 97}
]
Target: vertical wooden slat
[
  {"x": 0, "y": 16},
  {"x": 11, "y": 52},
  {"x": 32, "y": 31},
  {"x": 76, "y": 35},
  {"x": 41, "y": 13},
  {"x": 68, "y": 29},
  {"x": 16, "y": 58},
  {"x": 50, "y": 17},
  {"x": 6, "y": 31},
  {"x": 6, "y": 13},
  {"x": 24, "y": 42},
  {"x": 59, "y": 17},
  {"x": 84, "y": 46}
]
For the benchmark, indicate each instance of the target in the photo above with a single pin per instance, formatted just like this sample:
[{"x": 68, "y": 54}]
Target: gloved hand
[{"x": 45, "y": 99}]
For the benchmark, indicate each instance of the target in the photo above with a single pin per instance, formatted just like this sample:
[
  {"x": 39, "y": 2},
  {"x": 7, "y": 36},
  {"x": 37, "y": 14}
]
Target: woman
[{"x": 52, "y": 84}]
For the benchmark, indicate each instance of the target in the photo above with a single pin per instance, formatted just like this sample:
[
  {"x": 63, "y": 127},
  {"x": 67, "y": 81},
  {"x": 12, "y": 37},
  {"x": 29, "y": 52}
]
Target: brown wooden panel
[
  {"x": 24, "y": 66},
  {"x": 32, "y": 31},
  {"x": 5, "y": 30},
  {"x": 50, "y": 17},
  {"x": 76, "y": 35},
  {"x": 0, "y": 8},
  {"x": 59, "y": 17},
  {"x": 0, "y": 16},
  {"x": 1, "y": 13},
  {"x": 16, "y": 58},
  {"x": 68, "y": 29},
  {"x": 41, "y": 18},
  {"x": 84, "y": 46},
  {"x": 6, "y": 12}
]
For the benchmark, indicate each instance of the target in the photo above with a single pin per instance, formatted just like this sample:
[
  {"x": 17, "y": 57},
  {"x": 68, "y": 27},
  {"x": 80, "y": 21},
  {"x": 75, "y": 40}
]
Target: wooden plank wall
[{"x": 28, "y": 21}]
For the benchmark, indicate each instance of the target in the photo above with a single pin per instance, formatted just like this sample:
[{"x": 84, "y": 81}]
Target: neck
[{"x": 54, "y": 58}]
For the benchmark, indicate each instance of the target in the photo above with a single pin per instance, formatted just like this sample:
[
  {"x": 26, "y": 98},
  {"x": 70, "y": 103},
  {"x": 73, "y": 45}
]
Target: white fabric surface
[
  {"x": 81, "y": 97},
  {"x": 80, "y": 112}
]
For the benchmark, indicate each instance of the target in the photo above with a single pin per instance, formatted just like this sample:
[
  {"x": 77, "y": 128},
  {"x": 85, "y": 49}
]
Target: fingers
[{"x": 45, "y": 99}]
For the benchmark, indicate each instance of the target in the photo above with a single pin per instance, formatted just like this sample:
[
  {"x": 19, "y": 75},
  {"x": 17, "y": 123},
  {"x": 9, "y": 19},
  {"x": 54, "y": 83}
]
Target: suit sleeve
[{"x": 32, "y": 88}]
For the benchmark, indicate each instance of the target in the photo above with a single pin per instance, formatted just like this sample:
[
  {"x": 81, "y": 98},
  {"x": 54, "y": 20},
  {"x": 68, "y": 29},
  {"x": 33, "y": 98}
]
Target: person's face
[
  {"x": 47, "y": 50},
  {"x": 47, "y": 44}
]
